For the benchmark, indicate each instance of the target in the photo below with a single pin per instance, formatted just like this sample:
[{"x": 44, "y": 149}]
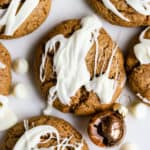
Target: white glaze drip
[
  {"x": 12, "y": 19},
  {"x": 102, "y": 85},
  {"x": 108, "y": 4},
  {"x": 95, "y": 37},
  {"x": 142, "y": 49},
  {"x": 71, "y": 68},
  {"x": 32, "y": 137},
  {"x": 7, "y": 116},
  {"x": 26, "y": 124},
  {"x": 2, "y": 66},
  {"x": 143, "y": 98},
  {"x": 141, "y": 6}
]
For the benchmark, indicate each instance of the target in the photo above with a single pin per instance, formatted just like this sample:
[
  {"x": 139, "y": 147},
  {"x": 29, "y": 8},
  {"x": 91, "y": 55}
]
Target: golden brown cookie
[
  {"x": 5, "y": 71},
  {"x": 33, "y": 21},
  {"x": 83, "y": 102},
  {"x": 67, "y": 134},
  {"x": 106, "y": 129},
  {"x": 138, "y": 67},
  {"x": 130, "y": 16}
]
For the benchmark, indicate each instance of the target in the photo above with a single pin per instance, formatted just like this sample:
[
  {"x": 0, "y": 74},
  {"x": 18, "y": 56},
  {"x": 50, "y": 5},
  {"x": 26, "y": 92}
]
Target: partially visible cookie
[
  {"x": 138, "y": 67},
  {"x": 45, "y": 132},
  {"x": 123, "y": 12},
  {"x": 91, "y": 64},
  {"x": 18, "y": 18},
  {"x": 5, "y": 71}
]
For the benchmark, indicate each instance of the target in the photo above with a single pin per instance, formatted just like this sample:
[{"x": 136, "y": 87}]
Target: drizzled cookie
[
  {"x": 79, "y": 68},
  {"x": 43, "y": 132}
]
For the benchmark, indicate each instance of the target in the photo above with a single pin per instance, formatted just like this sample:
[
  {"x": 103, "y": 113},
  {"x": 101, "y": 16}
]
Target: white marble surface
[{"x": 138, "y": 131}]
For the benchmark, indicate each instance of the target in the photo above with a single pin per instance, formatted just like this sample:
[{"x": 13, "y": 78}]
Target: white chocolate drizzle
[
  {"x": 12, "y": 19},
  {"x": 145, "y": 100},
  {"x": 142, "y": 49},
  {"x": 26, "y": 125},
  {"x": 7, "y": 116},
  {"x": 141, "y": 6},
  {"x": 2, "y": 66},
  {"x": 32, "y": 138},
  {"x": 102, "y": 85},
  {"x": 108, "y": 4},
  {"x": 71, "y": 68}
]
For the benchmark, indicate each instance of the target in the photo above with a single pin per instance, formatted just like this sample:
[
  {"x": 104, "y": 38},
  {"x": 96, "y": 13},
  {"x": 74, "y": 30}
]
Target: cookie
[
  {"x": 45, "y": 132},
  {"x": 5, "y": 71},
  {"x": 123, "y": 12},
  {"x": 106, "y": 129},
  {"x": 18, "y": 18},
  {"x": 138, "y": 66},
  {"x": 78, "y": 67}
]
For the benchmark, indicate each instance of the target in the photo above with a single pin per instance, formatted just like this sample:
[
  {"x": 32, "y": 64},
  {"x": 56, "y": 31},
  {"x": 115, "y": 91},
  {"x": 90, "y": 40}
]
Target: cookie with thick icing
[
  {"x": 129, "y": 13},
  {"x": 78, "y": 67},
  {"x": 5, "y": 71},
  {"x": 45, "y": 132},
  {"x": 18, "y": 17},
  {"x": 138, "y": 66}
]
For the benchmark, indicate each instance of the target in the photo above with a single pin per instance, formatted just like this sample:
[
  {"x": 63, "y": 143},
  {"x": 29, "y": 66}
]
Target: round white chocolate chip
[
  {"x": 139, "y": 110},
  {"x": 7, "y": 116},
  {"x": 20, "y": 66},
  {"x": 121, "y": 109},
  {"x": 129, "y": 146},
  {"x": 19, "y": 91}
]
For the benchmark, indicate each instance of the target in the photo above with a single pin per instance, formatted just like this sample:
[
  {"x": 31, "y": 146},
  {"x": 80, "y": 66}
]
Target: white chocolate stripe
[
  {"x": 145, "y": 100},
  {"x": 108, "y": 4},
  {"x": 141, "y": 6},
  {"x": 12, "y": 19},
  {"x": 141, "y": 38},
  {"x": 102, "y": 85}
]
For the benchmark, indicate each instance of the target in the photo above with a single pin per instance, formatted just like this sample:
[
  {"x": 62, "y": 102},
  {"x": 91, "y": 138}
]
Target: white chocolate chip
[
  {"x": 7, "y": 116},
  {"x": 121, "y": 109},
  {"x": 139, "y": 110},
  {"x": 20, "y": 91},
  {"x": 129, "y": 146},
  {"x": 20, "y": 66}
]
